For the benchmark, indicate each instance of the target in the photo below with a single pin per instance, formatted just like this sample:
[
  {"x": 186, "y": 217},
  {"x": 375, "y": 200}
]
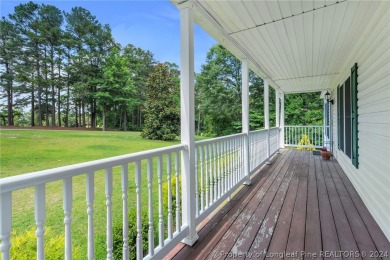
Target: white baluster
[
  {"x": 90, "y": 197},
  {"x": 224, "y": 165},
  {"x": 40, "y": 214},
  {"x": 67, "y": 190},
  {"x": 5, "y": 224},
  {"x": 125, "y": 211},
  {"x": 219, "y": 168},
  {"x": 178, "y": 215},
  {"x": 139, "y": 209},
  {"x": 170, "y": 220},
  {"x": 229, "y": 175},
  {"x": 207, "y": 186},
  {"x": 150, "y": 206},
  {"x": 201, "y": 178},
  {"x": 215, "y": 176},
  {"x": 196, "y": 179},
  {"x": 109, "y": 213},
  {"x": 211, "y": 187},
  {"x": 160, "y": 203}
]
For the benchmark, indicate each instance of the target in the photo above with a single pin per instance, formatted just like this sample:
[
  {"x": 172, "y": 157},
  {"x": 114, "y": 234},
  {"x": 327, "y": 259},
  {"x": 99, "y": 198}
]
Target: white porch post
[
  {"x": 277, "y": 103},
  {"x": 245, "y": 118},
  {"x": 187, "y": 107},
  {"x": 282, "y": 120},
  {"x": 266, "y": 116},
  {"x": 277, "y": 107}
]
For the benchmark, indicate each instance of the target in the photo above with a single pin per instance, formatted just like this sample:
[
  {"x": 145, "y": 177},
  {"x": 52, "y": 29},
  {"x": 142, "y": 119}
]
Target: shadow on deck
[{"x": 298, "y": 207}]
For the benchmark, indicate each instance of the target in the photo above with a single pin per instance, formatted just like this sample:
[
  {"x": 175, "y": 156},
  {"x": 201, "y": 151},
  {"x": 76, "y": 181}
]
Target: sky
[{"x": 150, "y": 25}]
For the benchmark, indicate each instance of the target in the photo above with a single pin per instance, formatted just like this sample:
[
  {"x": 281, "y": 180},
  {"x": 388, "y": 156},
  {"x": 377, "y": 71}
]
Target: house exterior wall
[{"x": 372, "y": 178}]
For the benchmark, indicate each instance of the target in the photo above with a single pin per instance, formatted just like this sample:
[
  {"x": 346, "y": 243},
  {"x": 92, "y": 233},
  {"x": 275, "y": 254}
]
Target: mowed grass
[{"x": 24, "y": 151}]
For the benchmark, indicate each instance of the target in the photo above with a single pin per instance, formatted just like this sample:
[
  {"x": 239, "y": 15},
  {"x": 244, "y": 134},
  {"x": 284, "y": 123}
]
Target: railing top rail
[
  {"x": 305, "y": 126},
  {"x": 218, "y": 139},
  {"x": 31, "y": 179},
  {"x": 257, "y": 131}
]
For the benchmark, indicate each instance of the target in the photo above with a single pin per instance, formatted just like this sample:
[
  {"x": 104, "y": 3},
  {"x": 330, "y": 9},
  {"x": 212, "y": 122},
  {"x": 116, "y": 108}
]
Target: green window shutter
[
  {"x": 338, "y": 117},
  {"x": 354, "y": 103}
]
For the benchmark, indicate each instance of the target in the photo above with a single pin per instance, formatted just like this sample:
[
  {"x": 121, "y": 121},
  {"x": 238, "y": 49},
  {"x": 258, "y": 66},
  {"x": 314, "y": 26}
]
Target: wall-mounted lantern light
[{"x": 327, "y": 97}]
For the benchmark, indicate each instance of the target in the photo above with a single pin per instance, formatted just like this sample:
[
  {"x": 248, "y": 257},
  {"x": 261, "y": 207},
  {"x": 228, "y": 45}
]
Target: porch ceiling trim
[{"x": 299, "y": 46}]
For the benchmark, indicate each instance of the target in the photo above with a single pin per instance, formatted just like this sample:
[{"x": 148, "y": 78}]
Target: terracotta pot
[{"x": 325, "y": 155}]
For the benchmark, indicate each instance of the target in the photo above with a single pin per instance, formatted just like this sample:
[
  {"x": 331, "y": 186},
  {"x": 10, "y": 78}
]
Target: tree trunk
[
  {"x": 32, "y": 105},
  {"x": 140, "y": 117},
  {"x": 83, "y": 113},
  {"x": 9, "y": 96},
  {"x": 125, "y": 120},
  {"x": 46, "y": 94},
  {"x": 67, "y": 93},
  {"x": 80, "y": 124},
  {"x": 104, "y": 118},
  {"x": 76, "y": 108},
  {"x": 93, "y": 108},
  {"x": 59, "y": 95},
  {"x": 53, "y": 93},
  {"x": 39, "y": 93}
]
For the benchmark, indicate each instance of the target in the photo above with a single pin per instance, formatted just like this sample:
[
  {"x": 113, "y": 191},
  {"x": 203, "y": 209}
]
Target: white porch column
[
  {"x": 277, "y": 107},
  {"x": 282, "y": 120},
  {"x": 266, "y": 116},
  {"x": 277, "y": 116},
  {"x": 245, "y": 118},
  {"x": 187, "y": 108}
]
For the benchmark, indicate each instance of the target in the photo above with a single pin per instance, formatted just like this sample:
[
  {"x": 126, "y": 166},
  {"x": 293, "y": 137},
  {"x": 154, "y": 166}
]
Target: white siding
[{"x": 372, "y": 179}]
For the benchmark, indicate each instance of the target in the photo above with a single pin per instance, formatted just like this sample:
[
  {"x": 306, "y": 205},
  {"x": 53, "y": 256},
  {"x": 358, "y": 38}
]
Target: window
[{"x": 347, "y": 120}]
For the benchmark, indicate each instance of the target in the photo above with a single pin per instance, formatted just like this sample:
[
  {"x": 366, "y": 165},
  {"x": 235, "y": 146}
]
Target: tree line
[{"x": 66, "y": 69}]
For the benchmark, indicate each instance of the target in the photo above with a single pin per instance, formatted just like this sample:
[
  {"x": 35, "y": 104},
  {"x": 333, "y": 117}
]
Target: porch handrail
[
  {"x": 307, "y": 136},
  {"x": 167, "y": 156},
  {"x": 219, "y": 171},
  {"x": 27, "y": 180}
]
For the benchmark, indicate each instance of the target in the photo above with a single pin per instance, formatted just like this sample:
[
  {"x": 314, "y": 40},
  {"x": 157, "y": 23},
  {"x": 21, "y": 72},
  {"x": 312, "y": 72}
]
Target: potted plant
[{"x": 325, "y": 154}]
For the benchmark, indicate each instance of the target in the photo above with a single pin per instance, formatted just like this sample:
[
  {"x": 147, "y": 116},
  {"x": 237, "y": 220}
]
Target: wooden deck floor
[{"x": 298, "y": 207}]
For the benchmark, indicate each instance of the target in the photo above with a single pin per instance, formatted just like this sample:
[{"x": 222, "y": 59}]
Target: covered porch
[
  {"x": 296, "y": 202},
  {"x": 300, "y": 206}
]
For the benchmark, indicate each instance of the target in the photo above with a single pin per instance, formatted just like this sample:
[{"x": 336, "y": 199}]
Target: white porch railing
[
  {"x": 162, "y": 164},
  {"x": 307, "y": 136},
  {"x": 219, "y": 172}
]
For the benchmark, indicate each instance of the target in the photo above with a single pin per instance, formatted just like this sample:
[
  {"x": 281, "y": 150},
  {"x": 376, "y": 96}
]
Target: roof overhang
[{"x": 299, "y": 46}]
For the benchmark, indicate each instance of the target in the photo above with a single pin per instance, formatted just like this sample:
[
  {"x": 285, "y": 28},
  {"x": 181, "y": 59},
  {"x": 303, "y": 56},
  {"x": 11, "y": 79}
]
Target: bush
[
  {"x": 24, "y": 246},
  {"x": 118, "y": 225},
  {"x": 165, "y": 198},
  {"x": 118, "y": 235}
]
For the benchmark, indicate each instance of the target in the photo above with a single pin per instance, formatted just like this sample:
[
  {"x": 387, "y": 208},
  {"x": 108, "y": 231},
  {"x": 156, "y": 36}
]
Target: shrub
[
  {"x": 118, "y": 235},
  {"x": 165, "y": 198},
  {"x": 24, "y": 246}
]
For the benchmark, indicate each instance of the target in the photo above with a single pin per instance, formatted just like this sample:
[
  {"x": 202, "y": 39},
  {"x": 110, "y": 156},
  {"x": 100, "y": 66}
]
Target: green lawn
[{"x": 25, "y": 151}]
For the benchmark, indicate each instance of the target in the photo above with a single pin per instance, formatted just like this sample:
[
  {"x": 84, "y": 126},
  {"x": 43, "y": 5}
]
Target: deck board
[
  {"x": 301, "y": 204},
  {"x": 313, "y": 241}
]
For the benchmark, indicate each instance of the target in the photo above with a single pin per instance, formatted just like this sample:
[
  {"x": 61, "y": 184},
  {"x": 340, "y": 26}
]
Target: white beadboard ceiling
[{"x": 299, "y": 46}]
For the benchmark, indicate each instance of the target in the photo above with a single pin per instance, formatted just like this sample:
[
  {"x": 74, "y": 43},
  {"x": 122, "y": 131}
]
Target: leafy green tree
[
  {"x": 140, "y": 63},
  {"x": 51, "y": 20},
  {"x": 303, "y": 109},
  {"x": 218, "y": 95},
  {"x": 162, "y": 113},
  {"x": 9, "y": 50},
  {"x": 26, "y": 22},
  {"x": 116, "y": 88}
]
